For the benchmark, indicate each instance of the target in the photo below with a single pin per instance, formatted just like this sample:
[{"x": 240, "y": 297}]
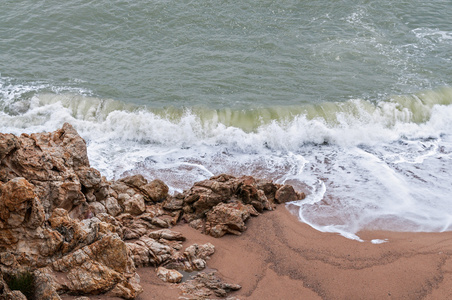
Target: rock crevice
[{"x": 78, "y": 233}]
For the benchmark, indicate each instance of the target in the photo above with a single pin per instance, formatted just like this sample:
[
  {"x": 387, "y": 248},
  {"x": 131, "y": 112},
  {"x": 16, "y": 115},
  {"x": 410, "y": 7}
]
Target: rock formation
[{"x": 72, "y": 231}]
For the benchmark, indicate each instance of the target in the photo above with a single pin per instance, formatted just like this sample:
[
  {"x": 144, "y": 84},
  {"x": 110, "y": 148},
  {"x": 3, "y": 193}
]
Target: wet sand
[{"x": 280, "y": 258}]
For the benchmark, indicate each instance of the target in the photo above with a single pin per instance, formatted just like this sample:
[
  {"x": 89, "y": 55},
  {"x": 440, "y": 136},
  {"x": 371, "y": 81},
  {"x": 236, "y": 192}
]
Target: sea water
[{"x": 349, "y": 101}]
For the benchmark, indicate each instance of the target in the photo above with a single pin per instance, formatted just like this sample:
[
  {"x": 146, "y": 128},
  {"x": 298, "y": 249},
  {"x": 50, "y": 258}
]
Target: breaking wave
[{"x": 364, "y": 165}]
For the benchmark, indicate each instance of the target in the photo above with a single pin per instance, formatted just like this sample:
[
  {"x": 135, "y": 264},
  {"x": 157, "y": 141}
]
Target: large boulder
[
  {"x": 51, "y": 162},
  {"x": 223, "y": 203},
  {"x": 99, "y": 268},
  {"x": 204, "y": 195}
]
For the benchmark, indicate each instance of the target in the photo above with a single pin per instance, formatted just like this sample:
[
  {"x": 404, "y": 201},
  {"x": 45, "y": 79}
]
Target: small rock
[
  {"x": 286, "y": 193},
  {"x": 168, "y": 275}
]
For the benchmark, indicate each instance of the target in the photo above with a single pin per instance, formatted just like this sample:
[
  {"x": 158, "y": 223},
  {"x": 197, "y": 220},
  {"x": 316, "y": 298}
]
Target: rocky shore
[{"x": 66, "y": 230}]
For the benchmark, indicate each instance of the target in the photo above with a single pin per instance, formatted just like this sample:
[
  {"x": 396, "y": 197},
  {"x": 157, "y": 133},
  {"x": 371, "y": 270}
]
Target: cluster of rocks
[{"x": 76, "y": 232}]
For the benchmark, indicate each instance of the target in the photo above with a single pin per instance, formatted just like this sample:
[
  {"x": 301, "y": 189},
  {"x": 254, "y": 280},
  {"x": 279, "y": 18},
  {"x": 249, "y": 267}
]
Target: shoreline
[
  {"x": 75, "y": 233},
  {"x": 278, "y": 257}
]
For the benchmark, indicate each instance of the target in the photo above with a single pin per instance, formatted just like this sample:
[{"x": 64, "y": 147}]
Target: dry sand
[{"x": 280, "y": 258}]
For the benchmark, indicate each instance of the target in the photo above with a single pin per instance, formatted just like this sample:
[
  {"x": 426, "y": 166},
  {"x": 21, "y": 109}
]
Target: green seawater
[{"x": 239, "y": 55}]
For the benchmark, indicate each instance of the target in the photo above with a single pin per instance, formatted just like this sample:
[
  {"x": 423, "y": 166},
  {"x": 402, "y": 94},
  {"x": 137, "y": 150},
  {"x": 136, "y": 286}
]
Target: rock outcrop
[
  {"x": 223, "y": 203},
  {"x": 73, "y": 231}
]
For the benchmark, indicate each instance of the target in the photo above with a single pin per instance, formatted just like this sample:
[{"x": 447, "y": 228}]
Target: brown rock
[
  {"x": 173, "y": 203},
  {"x": 49, "y": 161},
  {"x": 15, "y": 198},
  {"x": 206, "y": 194},
  {"x": 89, "y": 177},
  {"x": 268, "y": 187},
  {"x": 97, "y": 208},
  {"x": 228, "y": 218},
  {"x": 45, "y": 285},
  {"x": 112, "y": 206},
  {"x": 98, "y": 268},
  {"x": 156, "y": 190},
  {"x": 147, "y": 251},
  {"x": 192, "y": 259},
  {"x": 167, "y": 235},
  {"x": 74, "y": 233},
  {"x": 135, "y": 205},
  {"x": 137, "y": 226},
  {"x": 168, "y": 275},
  {"x": 203, "y": 285},
  {"x": 247, "y": 190},
  {"x": 135, "y": 181},
  {"x": 286, "y": 193},
  {"x": 7, "y": 294},
  {"x": 129, "y": 289},
  {"x": 8, "y": 142},
  {"x": 53, "y": 214}
]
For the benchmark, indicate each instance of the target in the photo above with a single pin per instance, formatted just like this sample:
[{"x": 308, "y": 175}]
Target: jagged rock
[
  {"x": 74, "y": 233},
  {"x": 174, "y": 203},
  {"x": 21, "y": 215},
  {"x": 228, "y": 218},
  {"x": 96, "y": 208},
  {"x": 206, "y": 194},
  {"x": 127, "y": 290},
  {"x": 223, "y": 203},
  {"x": 50, "y": 162},
  {"x": 135, "y": 181},
  {"x": 147, "y": 251},
  {"x": 89, "y": 177},
  {"x": 203, "y": 285},
  {"x": 98, "y": 268},
  {"x": 57, "y": 214},
  {"x": 286, "y": 193},
  {"x": 135, "y": 205},
  {"x": 156, "y": 190},
  {"x": 104, "y": 190},
  {"x": 167, "y": 235},
  {"x": 268, "y": 187},
  {"x": 108, "y": 224},
  {"x": 137, "y": 226},
  {"x": 197, "y": 256},
  {"x": 8, "y": 260},
  {"x": 112, "y": 206},
  {"x": 192, "y": 259},
  {"x": 168, "y": 275},
  {"x": 45, "y": 285},
  {"x": 8, "y": 142},
  {"x": 18, "y": 205}
]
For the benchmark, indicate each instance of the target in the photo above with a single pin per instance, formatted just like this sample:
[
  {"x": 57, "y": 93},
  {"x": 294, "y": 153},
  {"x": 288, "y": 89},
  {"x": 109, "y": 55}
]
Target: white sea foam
[
  {"x": 362, "y": 165},
  {"x": 378, "y": 241}
]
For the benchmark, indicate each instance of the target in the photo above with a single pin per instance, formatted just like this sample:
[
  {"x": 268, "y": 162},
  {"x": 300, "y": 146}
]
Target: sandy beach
[{"x": 280, "y": 258}]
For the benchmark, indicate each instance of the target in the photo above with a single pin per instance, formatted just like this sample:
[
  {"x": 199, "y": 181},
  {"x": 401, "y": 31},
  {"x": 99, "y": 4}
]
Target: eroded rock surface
[
  {"x": 205, "y": 285},
  {"x": 78, "y": 233}
]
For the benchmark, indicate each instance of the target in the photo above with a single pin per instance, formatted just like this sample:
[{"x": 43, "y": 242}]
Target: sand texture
[{"x": 280, "y": 258}]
